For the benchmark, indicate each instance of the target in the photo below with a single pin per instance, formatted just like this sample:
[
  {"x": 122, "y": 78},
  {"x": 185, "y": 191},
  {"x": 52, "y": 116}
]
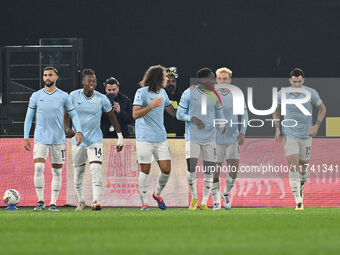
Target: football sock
[
  {"x": 294, "y": 182},
  {"x": 229, "y": 184},
  {"x": 96, "y": 172},
  {"x": 56, "y": 184},
  {"x": 39, "y": 180},
  {"x": 207, "y": 185},
  {"x": 216, "y": 193},
  {"x": 162, "y": 181},
  {"x": 78, "y": 181},
  {"x": 303, "y": 179},
  {"x": 143, "y": 187},
  {"x": 191, "y": 178}
]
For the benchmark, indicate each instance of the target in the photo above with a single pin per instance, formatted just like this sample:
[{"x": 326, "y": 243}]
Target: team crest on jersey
[
  {"x": 57, "y": 98},
  {"x": 95, "y": 103}
]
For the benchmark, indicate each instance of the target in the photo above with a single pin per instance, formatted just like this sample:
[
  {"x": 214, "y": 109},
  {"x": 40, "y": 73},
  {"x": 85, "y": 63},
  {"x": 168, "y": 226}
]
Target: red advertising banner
[
  {"x": 262, "y": 178},
  {"x": 17, "y": 172}
]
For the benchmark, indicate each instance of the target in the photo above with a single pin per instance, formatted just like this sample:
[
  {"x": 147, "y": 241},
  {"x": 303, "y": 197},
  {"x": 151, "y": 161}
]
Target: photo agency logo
[{"x": 239, "y": 104}]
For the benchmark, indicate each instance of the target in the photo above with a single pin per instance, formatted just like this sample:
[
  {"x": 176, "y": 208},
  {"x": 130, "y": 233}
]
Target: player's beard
[
  {"x": 170, "y": 89},
  {"x": 49, "y": 84}
]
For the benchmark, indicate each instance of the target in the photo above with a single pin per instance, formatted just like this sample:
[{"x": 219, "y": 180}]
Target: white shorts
[
  {"x": 227, "y": 151},
  {"x": 56, "y": 151},
  {"x": 93, "y": 152},
  {"x": 207, "y": 150},
  {"x": 302, "y": 147},
  {"x": 145, "y": 151}
]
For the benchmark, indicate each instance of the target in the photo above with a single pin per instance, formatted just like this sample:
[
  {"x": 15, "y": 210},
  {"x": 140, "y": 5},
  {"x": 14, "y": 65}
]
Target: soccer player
[
  {"x": 200, "y": 133},
  {"x": 89, "y": 105},
  {"x": 148, "y": 111},
  {"x": 298, "y": 139},
  {"x": 228, "y": 143},
  {"x": 49, "y": 104}
]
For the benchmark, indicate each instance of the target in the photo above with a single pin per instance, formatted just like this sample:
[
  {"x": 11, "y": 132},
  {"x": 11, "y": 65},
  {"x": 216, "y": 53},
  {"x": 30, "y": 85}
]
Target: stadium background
[{"x": 254, "y": 39}]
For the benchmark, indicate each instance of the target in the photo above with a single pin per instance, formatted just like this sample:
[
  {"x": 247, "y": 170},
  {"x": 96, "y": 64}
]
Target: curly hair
[{"x": 153, "y": 78}]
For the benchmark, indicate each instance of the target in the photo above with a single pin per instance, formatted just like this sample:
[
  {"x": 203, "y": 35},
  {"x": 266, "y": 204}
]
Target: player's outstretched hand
[
  {"x": 240, "y": 139},
  {"x": 278, "y": 136},
  {"x": 120, "y": 142},
  {"x": 69, "y": 133},
  {"x": 313, "y": 130},
  {"x": 27, "y": 144},
  {"x": 79, "y": 138},
  {"x": 156, "y": 102},
  {"x": 198, "y": 123}
]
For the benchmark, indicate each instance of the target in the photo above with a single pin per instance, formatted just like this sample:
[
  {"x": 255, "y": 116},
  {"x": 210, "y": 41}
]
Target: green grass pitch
[{"x": 175, "y": 231}]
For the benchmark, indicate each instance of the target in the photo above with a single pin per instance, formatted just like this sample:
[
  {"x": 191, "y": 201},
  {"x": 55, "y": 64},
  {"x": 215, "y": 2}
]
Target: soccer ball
[{"x": 11, "y": 197}]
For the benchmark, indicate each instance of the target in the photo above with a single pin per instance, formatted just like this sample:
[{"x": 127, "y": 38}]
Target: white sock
[
  {"x": 303, "y": 179},
  {"x": 162, "y": 181},
  {"x": 39, "y": 180},
  {"x": 143, "y": 186},
  {"x": 207, "y": 185},
  {"x": 216, "y": 193},
  {"x": 97, "y": 181},
  {"x": 294, "y": 182},
  {"x": 55, "y": 185},
  {"x": 191, "y": 178},
  {"x": 78, "y": 181},
  {"x": 229, "y": 184}
]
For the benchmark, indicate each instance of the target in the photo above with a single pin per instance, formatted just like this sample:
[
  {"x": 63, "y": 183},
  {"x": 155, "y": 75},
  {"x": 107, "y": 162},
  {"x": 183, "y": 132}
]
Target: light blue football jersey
[
  {"x": 304, "y": 122},
  {"x": 232, "y": 131},
  {"x": 50, "y": 109},
  {"x": 150, "y": 127},
  {"x": 89, "y": 111},
  {"x": 191, "y": 100}
]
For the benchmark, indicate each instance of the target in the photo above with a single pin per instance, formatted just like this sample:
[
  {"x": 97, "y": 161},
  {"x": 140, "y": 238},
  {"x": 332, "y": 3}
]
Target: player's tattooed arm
[
  {"x": 321, "y": 115},
  {"x": 276, "y": 118},
  {"x": 171, "y": 110}
]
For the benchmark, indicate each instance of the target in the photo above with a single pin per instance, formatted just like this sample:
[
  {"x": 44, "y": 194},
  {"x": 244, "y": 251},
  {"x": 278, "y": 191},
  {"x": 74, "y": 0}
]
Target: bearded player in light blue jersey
[
  {"x": 200, "y": 133},
  {"x": 50, "y": 105},
  {"x": 228, "y": 143},
  {"x": 89, "y": 105},
  {"x": 298, "y": 139},
  {"x": 148, "y": 111}
]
